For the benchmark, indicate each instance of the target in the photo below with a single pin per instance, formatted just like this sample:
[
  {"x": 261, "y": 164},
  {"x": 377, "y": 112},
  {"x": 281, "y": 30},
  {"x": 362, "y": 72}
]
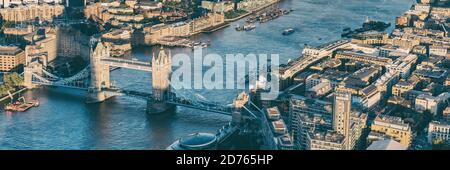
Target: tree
[
  {"x": 13, "y": 80},
  {"x": 440, "y": 144},
  {"x": 4, "y": 24},
  {"x": 424, "y": 120},
  {"x": 3, "y": 90},
  {"x": 10, "y": 83}
]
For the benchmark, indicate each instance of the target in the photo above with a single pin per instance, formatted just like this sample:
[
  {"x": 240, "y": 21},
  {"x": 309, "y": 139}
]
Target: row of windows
[
  {"x": 442, "y": 130},
  {"x": 393, "y": 131},
  {"x": 442, "y": 136}
]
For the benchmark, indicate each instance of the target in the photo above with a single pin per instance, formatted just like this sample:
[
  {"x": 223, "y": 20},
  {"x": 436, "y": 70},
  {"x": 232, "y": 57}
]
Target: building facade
[
  {"x": 223, "y": 6},
  {"x": 11, "y": 58},
  {"x": 182, "y": 29},
  {"x": 438, "y": 131},
  {"x": 393, "y": 127},
  {"x": 305, "y": 115},
  {"x": 43, "y": 12}
]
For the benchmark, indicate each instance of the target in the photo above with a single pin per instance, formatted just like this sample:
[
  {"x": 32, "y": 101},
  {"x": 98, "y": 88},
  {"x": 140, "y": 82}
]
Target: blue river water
[{"x": 65, "y": 121}]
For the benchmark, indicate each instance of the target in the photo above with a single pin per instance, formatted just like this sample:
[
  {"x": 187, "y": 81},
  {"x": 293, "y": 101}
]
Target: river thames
[{"x": 65, "y": 121}]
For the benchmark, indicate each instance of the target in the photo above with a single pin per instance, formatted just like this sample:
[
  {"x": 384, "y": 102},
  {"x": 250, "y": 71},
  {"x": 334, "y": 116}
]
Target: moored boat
[
  {"x": 239, "y": 28},
  {"x": 288, "y": 31},
  {"x": 249, "y": 27},
  {"x": 21, "y": 105}
]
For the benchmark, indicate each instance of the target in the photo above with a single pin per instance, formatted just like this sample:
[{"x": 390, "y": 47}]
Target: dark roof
[{"x": 198, "y": 140}]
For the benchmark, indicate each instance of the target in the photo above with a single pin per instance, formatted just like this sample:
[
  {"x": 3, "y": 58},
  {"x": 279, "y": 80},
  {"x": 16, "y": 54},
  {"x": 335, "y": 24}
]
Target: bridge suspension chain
[{"x": 73, "y": 81}]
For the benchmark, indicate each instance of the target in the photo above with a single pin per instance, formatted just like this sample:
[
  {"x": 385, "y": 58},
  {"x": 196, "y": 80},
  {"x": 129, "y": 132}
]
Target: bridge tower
[
  {"x": 27, "y": 77},
  {"x": 161, "y": 72},
  {"x": 28, "y": 71},
  {"x": 99, "y": 73},
  {"x": 239, "y": 103}
]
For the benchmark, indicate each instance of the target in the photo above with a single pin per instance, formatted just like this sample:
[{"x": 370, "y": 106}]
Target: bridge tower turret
[
  {"x": 161, "y": 72},
  {"x": 99, "y": 73}
]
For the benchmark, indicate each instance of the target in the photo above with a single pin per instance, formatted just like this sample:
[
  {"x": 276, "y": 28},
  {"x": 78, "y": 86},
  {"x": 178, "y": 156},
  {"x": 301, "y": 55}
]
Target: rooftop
[
  {"x": 391, "y": 121},
  {"x": 369, "y": 34},
  {"x": 371, "y": 89},
  {"x": 355, "y": 83},
  {"x": 440, "y": 123},
  {"x": 366, "y": 72},
  {"x": 198, "y": 140},
  {"x": 278, "y": 124},
  {"x": 387, "y": 144},
  {"x": 331, "y": 63},
  {"x": 335, "y": 75},
  {"x": 433, "y": 73},
  {"x": 10, "y": 50},
  {"x": 285, "y": 140},
  {"x": 404, "y": 83},
  {"x": 321, "y": 86},
  {"x": 273, "y": 111},
  {"x": 312, "y": 104},
  {"x": 327, "y": 136}
]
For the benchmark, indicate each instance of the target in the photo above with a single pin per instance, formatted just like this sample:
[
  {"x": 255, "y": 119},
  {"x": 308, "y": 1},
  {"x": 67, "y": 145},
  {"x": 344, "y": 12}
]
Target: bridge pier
[
  {"x": 97, "y": 96},
  {"x": 155, "y": 107}
]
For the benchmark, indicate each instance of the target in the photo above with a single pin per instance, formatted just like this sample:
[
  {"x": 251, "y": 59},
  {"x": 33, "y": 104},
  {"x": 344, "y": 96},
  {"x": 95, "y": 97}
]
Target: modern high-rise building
[
  {"x": 304, "y": 115},
  {"x": 312, "y": 124},
  {"x": 341, "y": 112}
]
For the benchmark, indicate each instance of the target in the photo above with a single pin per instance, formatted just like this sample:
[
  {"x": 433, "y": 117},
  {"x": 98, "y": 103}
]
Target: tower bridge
[{"x": 95, "y": 79}]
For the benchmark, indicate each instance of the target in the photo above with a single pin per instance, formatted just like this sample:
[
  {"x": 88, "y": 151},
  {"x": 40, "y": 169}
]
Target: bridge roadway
[
  {"x": 307, "y": 59},
  {"x": 80, "y": 87},
  {"x": 178, "y": 101}
]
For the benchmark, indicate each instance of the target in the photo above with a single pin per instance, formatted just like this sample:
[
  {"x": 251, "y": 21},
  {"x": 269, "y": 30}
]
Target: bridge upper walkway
[{"x": 125, "y": 63}]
